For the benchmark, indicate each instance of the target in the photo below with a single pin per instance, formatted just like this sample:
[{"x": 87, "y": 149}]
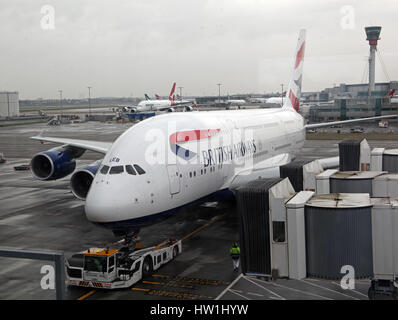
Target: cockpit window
[
  {"x": 130, "y": 169},
  {"x": 116, "y": 170},
  {"x": 139, "y": 169},
  {"x": 104, "y": 169}
]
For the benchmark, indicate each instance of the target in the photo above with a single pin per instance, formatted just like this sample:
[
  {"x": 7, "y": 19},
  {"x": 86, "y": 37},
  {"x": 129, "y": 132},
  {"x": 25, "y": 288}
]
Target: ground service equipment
[{"x": 118, "y": 268}]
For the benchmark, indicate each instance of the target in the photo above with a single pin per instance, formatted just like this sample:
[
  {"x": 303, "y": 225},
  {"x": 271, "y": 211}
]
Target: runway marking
[
  {"x": 86, "y": 295},
  {"x": 170, "y": 284},
  {"x": 240, "y": 295},
  {"x": 353, "y": 290},
  {"x": 270, "y": 291},
  {"x": 294, "y": 289},
  {"x": 151, "y": 282},
  {"x": 140, "y": 289},
  {"x": 200, "y": 281},
  {"x": 315, "y": 285},
  {"x": 255, "y": 294},
  {"x": 229, "y": 287},
  {"x": 201, "y": 228},
  {"x": 15, "y": 218}
]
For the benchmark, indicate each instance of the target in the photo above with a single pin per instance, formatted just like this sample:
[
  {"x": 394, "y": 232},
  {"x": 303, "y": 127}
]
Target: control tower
[{"x": 372, "y": 34}]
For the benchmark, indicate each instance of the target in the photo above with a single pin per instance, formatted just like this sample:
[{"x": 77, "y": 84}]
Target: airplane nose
[{"x": 101, "y": 208}]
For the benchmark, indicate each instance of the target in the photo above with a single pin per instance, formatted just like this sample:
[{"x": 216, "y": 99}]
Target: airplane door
[{"x": 174, "y": 178}]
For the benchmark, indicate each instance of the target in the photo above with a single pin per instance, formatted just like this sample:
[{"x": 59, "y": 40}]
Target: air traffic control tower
[{"x": 372, "y": 34}]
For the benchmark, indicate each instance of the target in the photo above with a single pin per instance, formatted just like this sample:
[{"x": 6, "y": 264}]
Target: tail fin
[
  {"x": 293, "y": 93},
  {"x": 391, "y": 93},
  {"x": 146, "y": 97},
  {"x": 157, "y": 96},
  {"x": 172, "y": 91}
]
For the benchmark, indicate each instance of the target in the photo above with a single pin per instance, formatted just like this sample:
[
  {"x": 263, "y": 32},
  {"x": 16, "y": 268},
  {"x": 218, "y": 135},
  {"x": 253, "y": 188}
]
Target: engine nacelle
[
  {"x": 81, "y": 180},
  {"x": 54, "y": 164},
  {"x": 171, "y": 110},
  {"x": 188, "y": 108},
  {"x": 133, "y": 110}
]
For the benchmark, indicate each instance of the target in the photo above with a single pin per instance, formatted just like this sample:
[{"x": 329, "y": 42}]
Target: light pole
[
  {"x": 60, "y": 102},
  {"x": 282, "y": 93},
  {"x": 219, "y": 92},
  {"x": 89, "y": 102}
]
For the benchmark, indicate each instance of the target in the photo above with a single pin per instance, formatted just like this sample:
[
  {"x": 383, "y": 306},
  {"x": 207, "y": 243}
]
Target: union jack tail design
[
  {"x": 171, "y": 97},
  {"x": 293, "y": 93}
]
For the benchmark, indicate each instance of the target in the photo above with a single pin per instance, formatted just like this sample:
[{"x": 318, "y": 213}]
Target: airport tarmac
[{"x": 44, "y": 215}]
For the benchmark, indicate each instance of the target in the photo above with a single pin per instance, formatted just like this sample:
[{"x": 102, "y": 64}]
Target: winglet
[{"x": 293, "y": 92}]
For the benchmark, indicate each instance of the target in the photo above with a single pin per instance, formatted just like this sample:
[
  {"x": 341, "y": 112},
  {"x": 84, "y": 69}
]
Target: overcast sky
[{"x": 128, "y": 48}]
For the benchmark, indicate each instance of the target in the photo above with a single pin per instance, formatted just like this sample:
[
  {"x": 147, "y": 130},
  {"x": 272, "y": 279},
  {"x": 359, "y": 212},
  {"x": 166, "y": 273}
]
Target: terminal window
[{"x": 278, "y": 228}]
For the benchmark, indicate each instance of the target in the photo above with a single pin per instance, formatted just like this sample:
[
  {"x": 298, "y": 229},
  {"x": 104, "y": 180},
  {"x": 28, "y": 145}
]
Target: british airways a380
[{"x": 169, "y": 161}]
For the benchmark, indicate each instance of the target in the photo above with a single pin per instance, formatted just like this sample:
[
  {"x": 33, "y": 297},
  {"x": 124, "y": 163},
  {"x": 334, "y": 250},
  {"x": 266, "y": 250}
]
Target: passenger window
[
  {"x": 104, "y": 169},
  {"x": 159, "y": 259},
  {"x": 139, "y": 169},
  {"x": 130, "y": 170},
  {"x": 116, "y": 170}
]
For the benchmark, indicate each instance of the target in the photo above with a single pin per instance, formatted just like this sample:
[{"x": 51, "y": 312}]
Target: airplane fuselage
[
  {"x": 186, "y": 157},
  {"x": 158, "y": 105}
]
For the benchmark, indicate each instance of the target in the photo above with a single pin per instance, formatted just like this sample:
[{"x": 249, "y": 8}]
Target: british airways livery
[{"x": 166, "y": 162}]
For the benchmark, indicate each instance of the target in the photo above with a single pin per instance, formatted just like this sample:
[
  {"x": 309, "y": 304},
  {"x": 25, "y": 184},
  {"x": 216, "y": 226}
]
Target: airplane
[
  {"x": 163, "y": 105},
  {"x": 236, "y": 102},
  {"x": 271, "y": 100},
  {"x": 167, "y": 162}
]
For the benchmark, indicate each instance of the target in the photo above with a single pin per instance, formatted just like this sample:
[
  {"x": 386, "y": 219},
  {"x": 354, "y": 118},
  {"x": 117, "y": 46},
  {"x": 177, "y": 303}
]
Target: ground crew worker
[{"x": 235, "y": 255}]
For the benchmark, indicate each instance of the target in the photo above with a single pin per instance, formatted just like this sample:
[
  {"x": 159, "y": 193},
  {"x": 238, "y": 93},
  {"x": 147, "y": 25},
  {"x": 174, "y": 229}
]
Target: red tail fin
[
  {"x": 172, "y": 91},
  {"x": 391, "y": 93}
]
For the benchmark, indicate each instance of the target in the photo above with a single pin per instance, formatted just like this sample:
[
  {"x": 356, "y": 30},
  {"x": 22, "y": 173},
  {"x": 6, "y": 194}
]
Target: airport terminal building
[
  {"x": 9, "y": 104},
  {"x": 352, "y": 101}
]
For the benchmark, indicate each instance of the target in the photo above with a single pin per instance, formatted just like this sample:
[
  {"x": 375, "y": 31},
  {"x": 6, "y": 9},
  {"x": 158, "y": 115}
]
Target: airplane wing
[
  {"x": 328, "y": 124},
  {"x": 97, "y": 146}
]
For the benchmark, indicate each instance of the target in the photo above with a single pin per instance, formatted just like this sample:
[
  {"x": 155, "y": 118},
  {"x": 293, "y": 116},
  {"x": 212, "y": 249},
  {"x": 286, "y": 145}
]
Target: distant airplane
[
  {"x": 271, "y": 100},
  {"x": 159, "y": 104},
  {"x": 163, "y": 105},
  {"x": 236, "y": 102}
]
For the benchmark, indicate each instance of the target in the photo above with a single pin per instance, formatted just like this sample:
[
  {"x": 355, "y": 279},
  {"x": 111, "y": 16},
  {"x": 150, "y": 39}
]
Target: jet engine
[
  {"x": 171, "y": 110},
  {"x": 188, "y": 108},
  {"x": 133, "y": 110},
  {"x": 81, "y": 180},
  {"x": 55, "y": 163}
]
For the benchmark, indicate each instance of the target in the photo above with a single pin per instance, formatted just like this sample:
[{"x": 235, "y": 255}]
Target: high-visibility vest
[{"x": 235, "y": 252}]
